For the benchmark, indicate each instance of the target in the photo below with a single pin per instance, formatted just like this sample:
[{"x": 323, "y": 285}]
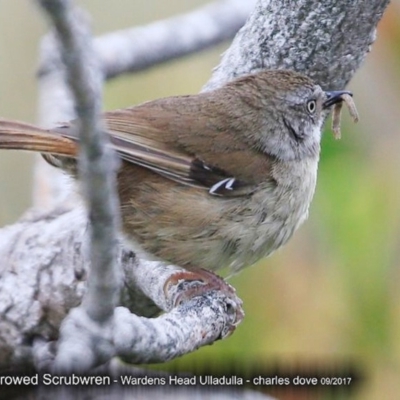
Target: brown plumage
[{"x": 210, "y": 180}]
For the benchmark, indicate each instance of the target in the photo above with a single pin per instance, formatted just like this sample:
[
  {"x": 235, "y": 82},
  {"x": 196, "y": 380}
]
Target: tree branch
[
  {"x": 45, "y": 276},
  {"x": 139, "y": 48},
  {"x": 97, "y": 170},
  {"x": 326, "y": 40}
]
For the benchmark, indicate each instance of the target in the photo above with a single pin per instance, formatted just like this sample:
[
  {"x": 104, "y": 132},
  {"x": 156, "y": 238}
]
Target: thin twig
[{"x": 97, "y": 165}]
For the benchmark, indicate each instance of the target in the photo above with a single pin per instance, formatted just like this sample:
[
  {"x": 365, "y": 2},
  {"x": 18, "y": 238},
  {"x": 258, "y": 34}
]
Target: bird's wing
[
  {"x": 138, "y": 147},
  {"x": 169, "y": 139}
]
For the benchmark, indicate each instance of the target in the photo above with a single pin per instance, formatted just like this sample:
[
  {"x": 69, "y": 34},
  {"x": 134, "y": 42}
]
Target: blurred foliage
[{"x": 332, "y": 295}]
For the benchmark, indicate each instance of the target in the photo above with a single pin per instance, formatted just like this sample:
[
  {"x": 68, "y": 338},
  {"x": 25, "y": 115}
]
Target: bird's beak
[{"x": 334, "y": 97}]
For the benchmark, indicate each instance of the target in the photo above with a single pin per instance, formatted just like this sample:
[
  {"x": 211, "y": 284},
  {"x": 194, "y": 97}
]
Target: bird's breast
[{"x": 274, "y": 212}]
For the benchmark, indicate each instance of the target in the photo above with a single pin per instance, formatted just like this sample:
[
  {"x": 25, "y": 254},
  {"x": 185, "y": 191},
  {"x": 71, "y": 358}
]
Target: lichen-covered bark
[
  {"x": 43, "y": 275},
  {"x": 326, "y": 40}
]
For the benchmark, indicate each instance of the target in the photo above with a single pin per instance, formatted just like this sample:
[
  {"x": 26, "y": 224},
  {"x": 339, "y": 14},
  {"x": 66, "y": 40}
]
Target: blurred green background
[{"x": 333, "y": 293}]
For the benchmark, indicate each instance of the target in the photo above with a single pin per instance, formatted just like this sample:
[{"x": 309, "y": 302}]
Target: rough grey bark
[
  {"x": 34, "y": 301},
  {"x": 326, "y": 40}
]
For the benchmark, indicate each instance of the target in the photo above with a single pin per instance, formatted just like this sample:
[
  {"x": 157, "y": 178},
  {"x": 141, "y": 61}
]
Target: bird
[{"x": 212, "y": 180}]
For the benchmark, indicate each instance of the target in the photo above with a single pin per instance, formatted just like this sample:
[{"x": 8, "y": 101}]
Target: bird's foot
[{"x": 197, "y": 282}]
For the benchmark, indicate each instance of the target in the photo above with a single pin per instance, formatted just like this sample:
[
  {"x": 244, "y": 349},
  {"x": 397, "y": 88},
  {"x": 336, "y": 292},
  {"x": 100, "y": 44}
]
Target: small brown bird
[{"x": 217, "y": 179}]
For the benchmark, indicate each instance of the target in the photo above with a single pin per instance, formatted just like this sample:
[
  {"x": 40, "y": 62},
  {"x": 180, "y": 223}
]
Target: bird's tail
[{"x": 21, "y": 136}]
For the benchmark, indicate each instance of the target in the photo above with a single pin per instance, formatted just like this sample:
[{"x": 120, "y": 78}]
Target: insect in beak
[{"x": 335, "y": 97}]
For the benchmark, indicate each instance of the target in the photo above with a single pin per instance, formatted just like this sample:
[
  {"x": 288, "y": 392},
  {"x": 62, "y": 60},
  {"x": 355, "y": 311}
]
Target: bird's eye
[{"x": 311, "y": 106}]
